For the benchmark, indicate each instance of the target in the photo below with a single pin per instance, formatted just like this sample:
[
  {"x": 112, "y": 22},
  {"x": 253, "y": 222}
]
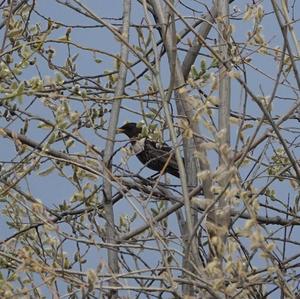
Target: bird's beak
[{"x": 119, "y": 130}]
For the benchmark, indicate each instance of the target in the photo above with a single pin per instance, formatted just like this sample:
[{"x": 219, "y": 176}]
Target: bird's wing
[
  {"x": 162, "y": 153},
  {"x": 168, "y": 149}
]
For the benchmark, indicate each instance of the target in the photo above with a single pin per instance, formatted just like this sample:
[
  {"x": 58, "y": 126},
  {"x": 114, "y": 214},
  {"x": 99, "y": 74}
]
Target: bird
[{"x": 151, "y": 154}]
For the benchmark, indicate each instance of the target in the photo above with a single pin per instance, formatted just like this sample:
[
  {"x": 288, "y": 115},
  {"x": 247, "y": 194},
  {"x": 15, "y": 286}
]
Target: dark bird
[{"x": 151, "y": 154}]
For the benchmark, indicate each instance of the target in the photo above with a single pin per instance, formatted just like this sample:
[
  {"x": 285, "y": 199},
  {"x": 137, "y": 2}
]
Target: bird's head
[{"x": 130, "y": 129}]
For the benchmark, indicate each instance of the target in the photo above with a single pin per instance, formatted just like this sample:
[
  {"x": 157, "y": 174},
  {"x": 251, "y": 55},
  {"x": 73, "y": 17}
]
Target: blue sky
[{"x": 54, "y": 189}]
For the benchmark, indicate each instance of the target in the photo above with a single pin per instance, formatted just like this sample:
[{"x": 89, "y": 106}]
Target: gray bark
[{"x": 114, "y": 116}]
